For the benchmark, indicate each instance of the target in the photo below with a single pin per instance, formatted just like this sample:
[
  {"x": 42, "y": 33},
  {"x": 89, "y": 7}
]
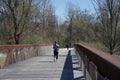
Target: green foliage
[
  {"x": 117, "y": 55},
  {"x": 2, "y": 59}
]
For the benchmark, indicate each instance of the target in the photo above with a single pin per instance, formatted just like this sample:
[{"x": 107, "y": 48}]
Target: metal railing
[
  {"x": 97, "y": 65},
  {"x": 11, "y": 54}
]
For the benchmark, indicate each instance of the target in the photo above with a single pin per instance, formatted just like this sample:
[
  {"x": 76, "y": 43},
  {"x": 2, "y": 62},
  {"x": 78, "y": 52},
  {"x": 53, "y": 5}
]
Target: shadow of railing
[
  {"x": 67, "y": 73},
  {"x": 68, "y": 69}
]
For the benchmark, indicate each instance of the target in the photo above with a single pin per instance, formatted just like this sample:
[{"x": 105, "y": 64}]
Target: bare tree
[
  {"x": 23, "y": 18},
  {"x": 71, "y": 13},
  {"x": 108, "y": 13},
  {"x": 16, "y": 12}
]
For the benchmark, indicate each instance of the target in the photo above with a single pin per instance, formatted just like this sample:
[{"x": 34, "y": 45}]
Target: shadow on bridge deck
[{"x": 69, "y": 68}]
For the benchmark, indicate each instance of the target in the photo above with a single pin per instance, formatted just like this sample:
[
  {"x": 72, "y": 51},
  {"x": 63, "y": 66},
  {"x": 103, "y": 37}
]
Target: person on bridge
[
  {"x": 67, "y": 46},
  {"x": 56, "y": 51}
]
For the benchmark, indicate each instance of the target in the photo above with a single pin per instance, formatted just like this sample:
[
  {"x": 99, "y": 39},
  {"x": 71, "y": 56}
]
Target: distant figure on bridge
[
  {"x": 67, "y": 46},
  {"x": 56, "y": 51}
]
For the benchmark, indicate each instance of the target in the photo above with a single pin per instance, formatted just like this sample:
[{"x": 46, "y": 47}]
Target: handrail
[
  {"x": 15, "y": 53},
  {"x": 4, "y": 47},
  {"x": 105, "y": 66}
]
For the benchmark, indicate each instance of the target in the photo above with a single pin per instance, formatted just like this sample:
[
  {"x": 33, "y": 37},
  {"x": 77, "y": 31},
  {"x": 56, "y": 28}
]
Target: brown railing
[
  {"x": 10, "y": 54},
  {"x": 97, "y": 65}
]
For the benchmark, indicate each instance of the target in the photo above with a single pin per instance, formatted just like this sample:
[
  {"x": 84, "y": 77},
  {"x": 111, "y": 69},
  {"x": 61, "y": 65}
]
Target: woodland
[{"x": 35, "y": 22}]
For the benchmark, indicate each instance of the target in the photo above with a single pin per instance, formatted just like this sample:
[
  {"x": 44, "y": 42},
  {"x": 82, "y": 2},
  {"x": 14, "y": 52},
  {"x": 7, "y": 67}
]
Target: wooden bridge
[{"x": 35, "y": 62}]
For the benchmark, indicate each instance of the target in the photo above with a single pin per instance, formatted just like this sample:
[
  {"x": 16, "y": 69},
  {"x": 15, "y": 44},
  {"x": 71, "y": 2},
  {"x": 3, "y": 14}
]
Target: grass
[
  {"x": 2, "y": 59},
  {"x": 97, "y": 45},
  {"x": 100, "y": 46},
  {"x": 117, "y": 55}
]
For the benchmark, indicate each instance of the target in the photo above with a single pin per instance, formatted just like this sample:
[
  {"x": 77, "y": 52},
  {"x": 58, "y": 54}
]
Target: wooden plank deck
[{"x": 44, "y": 68}]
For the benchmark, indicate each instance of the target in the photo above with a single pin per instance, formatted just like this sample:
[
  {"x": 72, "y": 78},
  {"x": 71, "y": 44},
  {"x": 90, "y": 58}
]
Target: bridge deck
[{"x": 44, "y": 68}]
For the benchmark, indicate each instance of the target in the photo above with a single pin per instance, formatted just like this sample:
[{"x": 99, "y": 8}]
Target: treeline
[
  {"x": 27, "y": 21},
  {"x": 101, "y": 28},
  {"x": 34, "y": 21}
]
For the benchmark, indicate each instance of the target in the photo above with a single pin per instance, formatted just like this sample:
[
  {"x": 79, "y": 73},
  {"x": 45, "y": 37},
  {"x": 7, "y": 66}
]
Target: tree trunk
[{"x": 17, "y": 39}]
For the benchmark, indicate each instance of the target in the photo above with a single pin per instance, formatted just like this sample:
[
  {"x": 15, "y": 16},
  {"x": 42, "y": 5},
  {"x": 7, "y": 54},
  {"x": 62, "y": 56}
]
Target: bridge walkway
[{"x": 43, "y": 67}]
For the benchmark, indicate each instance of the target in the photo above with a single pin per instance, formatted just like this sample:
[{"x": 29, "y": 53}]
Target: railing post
[
  {"x": 86, "y": 63},
  {"x": 16, "y": 54},
  {"x": 79, "y": 58},
  {"x": 92, "y": 71},
  {"x": 9, "y": 58}
]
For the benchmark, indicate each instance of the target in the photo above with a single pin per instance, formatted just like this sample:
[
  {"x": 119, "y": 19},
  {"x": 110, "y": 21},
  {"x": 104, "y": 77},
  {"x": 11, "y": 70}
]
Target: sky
[{"x": 61, "y": 10}]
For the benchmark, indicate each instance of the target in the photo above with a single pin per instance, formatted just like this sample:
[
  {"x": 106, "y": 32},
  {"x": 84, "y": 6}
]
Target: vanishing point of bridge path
[{"x": 43, "y": 68}]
